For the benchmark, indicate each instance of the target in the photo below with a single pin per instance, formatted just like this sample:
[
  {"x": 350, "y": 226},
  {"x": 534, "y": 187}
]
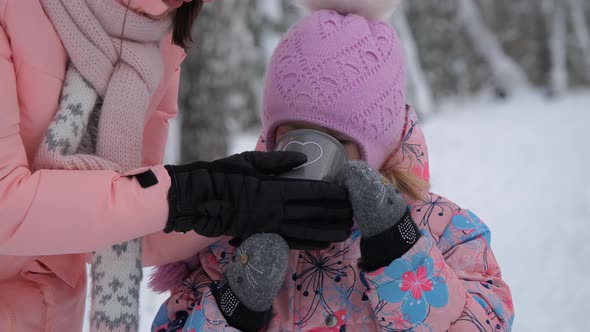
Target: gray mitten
[
  {"x": 377, "y": 204},
  {"x": 381, "y": 214},
  {"x": 254, "y": 277}
]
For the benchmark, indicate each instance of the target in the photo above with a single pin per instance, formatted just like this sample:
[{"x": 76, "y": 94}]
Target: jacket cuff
[
  {"x": 170, "y": 221},
  {"x": 235, "y": 312},
  {"x": 382, "y": 249}
]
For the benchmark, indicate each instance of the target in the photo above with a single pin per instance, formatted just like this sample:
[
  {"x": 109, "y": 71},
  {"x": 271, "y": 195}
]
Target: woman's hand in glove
[{"x": 241, "y": 195}]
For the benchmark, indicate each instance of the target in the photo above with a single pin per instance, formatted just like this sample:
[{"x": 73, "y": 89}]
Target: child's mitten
[
  {"x": 254, "y": 277},
  {"x": 381, "y": 214}
]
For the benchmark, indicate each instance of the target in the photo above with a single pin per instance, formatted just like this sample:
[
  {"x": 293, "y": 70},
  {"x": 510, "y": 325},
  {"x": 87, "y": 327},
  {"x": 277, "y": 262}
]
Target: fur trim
[{"x": 169, "y": 276}]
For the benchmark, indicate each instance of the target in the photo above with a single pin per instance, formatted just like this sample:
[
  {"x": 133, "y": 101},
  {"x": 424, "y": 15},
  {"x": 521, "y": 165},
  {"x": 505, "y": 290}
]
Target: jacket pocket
[{"x": 7, "y": 317}]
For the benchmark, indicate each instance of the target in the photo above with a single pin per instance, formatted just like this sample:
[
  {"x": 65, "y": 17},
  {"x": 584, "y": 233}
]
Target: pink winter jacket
[
  {"x": 449, "y": 281},
  {"x": 67, "y": 213}
]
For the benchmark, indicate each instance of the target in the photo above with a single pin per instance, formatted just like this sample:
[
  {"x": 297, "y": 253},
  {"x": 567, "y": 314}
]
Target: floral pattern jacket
[{"x": 449, "y": 281}]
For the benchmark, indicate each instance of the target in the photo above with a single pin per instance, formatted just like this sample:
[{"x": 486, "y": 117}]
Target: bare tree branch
[
  {"x": 508, "y": 76},
  {"x": 419, "y": 85}
]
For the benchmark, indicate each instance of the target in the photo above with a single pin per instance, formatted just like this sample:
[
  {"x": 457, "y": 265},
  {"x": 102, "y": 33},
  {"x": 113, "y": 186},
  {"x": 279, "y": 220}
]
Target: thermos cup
[{"x": 325, "y": 155}]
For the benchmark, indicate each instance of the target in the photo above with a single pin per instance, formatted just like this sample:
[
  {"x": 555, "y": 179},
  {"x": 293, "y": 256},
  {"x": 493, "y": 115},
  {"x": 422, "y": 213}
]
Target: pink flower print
[
  {"x": 398, "y": 321},
  {"x": 417, "y": 282},
  {"x": 417, "y": 289}
]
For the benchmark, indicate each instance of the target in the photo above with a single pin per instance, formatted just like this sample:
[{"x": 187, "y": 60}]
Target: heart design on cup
[{"x": 312, "y": 150}]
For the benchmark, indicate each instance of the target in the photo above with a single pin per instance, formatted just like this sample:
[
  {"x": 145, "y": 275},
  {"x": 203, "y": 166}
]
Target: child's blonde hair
[{"x": 406, "y": 182}]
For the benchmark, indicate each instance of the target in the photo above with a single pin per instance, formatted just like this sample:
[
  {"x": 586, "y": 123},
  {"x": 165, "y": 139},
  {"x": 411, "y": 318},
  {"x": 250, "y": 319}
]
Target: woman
[{"x": 51, "y": 219}]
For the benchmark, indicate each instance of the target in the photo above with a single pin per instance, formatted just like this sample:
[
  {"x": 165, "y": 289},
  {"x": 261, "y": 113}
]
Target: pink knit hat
[{"x": 344, "y": 73}]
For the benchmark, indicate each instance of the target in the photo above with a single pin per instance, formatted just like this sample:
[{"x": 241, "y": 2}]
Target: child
[{"x": 416, "y": 261}]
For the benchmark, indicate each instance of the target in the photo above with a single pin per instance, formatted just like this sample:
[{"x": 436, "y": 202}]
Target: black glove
[{"x": 238, "y": 196}]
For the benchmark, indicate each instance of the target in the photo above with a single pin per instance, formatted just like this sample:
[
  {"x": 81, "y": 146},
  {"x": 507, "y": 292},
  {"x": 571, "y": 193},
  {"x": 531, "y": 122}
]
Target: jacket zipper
[{"x": 11, "y": 316}]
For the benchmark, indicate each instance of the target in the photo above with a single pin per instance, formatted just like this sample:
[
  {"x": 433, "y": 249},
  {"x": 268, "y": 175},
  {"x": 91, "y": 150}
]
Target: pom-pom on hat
[{"x": 371, "y": 9}]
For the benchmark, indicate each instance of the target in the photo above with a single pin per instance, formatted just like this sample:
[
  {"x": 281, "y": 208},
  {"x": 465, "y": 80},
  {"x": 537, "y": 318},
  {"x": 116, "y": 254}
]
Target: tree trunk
[
  {"x": 202, "y": 106},
  {"x": 580, "y": 26},
  {"x": 508, "y": 76},
  {"x": 215, "y": 81},
  {"x": 557, "y": 43},
  {"x": 418, "y": 84}
]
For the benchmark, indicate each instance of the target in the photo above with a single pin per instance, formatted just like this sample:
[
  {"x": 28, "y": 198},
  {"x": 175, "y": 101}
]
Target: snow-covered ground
[{"x": 519, "y": 166}]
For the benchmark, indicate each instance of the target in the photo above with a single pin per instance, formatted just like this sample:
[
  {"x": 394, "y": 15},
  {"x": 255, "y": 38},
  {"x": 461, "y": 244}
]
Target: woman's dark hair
[{"x": 183, "y": 20}]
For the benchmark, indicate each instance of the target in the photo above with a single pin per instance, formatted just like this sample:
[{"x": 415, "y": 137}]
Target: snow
[{"x": 520, "y": 165}]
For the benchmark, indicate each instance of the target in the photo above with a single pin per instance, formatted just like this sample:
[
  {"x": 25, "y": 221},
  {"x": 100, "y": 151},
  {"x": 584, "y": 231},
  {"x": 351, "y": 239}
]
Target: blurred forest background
[{"x": 454, "y": 48}]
